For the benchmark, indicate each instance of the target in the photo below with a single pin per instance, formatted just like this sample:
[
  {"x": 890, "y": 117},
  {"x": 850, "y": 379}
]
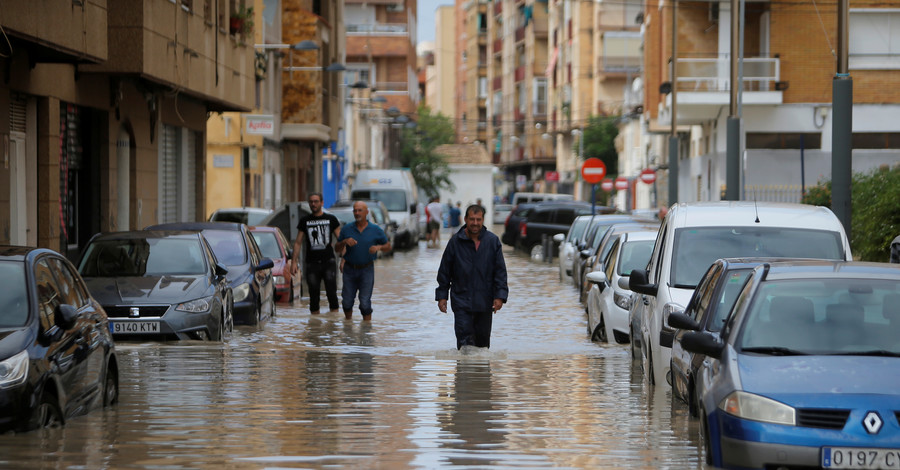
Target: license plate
[
  {"x": 135, "y": 327},
  {"x": 856, "y": 457}
]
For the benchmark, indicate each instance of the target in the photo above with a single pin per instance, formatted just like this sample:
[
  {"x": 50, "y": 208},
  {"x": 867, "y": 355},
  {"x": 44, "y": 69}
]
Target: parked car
[
  {"x": 524, "y": 197},
  {"x": 159, "y": 284},
  {"x": 378, "y": 213},
  {"x": 511, "y": 226},
  {"x": 592, "y": 256},
  {"x": 273, "y": 245},
  {"x": 241, "y": 215},
  {"x": 549, "y": 218},
  {"x": 804, "y": 373},
  {"x": 249, "y": 272},
  {"x": 609, "y": 299},
  {"x": 287, "y": 217},
  {"x": 706, "y": 312},
  {"x": 693, "y": 235},
  {"x": 501, "y": 212},
  {"x": 57, "y": 356},
  {"x": 567, "y": 243}
]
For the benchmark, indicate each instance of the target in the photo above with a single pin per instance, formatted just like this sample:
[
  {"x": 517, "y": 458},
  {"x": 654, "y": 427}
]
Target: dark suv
[{"x": 550, "y": 218}]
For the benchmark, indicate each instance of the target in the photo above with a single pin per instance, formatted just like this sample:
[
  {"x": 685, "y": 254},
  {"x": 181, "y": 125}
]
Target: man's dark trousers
[
  {"x": 315, "y": 274},
  {"x": 473, "y": 329}
]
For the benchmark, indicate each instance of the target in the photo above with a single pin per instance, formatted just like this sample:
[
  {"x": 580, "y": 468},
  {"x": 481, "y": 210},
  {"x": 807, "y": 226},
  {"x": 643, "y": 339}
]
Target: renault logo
[
  {"x": 134, "y": 312},
  {"x": 872, "y": 422}
]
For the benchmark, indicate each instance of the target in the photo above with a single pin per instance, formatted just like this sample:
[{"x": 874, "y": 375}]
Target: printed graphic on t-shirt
[{"x": 319, "y": 233}]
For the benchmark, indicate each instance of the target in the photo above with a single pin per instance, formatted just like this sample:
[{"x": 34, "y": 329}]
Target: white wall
[{"x": 472, "y": 182}]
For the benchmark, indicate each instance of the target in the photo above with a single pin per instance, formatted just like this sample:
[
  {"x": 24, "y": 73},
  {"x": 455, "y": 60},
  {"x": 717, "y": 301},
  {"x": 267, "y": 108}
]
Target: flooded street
[{"x": 325, "y": 392}]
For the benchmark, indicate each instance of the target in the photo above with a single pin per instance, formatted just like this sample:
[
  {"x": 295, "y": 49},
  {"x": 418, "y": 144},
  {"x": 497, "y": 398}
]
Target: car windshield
[
  {"x": 227, "y": 245},
  {"x": 393, "y": 199},
  {"x": 142, "y": 257},
  {"x": 268, "y": 244},
  {"x": 635, "y": 255},
  {"x": 577, "y": 228},
  {"x": 696, "y": 248},
  {"x": 14, "y": 295},
  {"x": 824, "y": 316}
]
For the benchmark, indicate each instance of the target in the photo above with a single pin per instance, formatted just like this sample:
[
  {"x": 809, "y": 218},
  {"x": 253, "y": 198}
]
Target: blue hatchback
[{"x": 805, "y": 372}]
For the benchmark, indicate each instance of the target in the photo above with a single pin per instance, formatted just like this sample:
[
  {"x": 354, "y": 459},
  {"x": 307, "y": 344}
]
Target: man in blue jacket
[{"x": 473, "y": 273}]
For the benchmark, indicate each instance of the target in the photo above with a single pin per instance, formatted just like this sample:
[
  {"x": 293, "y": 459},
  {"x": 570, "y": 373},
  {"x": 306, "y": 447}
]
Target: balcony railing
[
  {"x": 713, "y": 73},
  {"x": 381, "y": 28}
]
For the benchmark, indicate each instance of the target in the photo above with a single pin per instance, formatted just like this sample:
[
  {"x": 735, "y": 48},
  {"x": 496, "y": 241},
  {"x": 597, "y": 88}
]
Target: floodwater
[{"x": 324, "y": 392}]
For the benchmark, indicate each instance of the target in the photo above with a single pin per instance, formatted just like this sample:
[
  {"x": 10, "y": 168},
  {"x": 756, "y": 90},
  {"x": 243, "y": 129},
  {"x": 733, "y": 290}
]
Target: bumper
[{"x": 746, "y": 454}]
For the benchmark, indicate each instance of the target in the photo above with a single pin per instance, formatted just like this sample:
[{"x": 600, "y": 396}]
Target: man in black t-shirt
[{"x": 319, "y": 230}]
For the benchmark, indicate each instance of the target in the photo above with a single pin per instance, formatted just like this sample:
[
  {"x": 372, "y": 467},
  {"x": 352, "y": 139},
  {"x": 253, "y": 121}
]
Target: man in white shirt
[{"x": 435, "y": 220}]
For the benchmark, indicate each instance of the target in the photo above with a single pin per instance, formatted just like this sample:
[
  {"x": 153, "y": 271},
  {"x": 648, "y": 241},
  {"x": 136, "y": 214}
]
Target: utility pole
[
  {"x": 733, "y": 129},
  {"x": 842, "y": 124},
  {"x": 673, "y": 139}
]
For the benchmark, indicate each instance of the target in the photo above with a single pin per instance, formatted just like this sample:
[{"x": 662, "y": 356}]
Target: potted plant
[{"x": 241, "y": 21}]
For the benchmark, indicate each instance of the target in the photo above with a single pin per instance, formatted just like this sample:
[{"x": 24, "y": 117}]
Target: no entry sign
[
  {"x": 621, "y": 183},
  {"x": 607, "y": 185},
  {"x": 593, "y": 170},
  {"x": 648, "y": 175}
]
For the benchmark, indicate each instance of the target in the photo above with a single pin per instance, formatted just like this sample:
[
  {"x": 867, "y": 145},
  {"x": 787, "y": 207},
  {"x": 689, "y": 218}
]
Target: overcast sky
[{"x": 426, "y": 9}]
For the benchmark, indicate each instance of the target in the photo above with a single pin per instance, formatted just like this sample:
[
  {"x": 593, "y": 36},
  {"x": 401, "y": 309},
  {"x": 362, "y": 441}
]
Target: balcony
[
  {"x": 498, "y": 83},
  {"x": 498, "y": 45},
  {"x": 67, "y": 32},
  {"x": 703, "y": 87}
]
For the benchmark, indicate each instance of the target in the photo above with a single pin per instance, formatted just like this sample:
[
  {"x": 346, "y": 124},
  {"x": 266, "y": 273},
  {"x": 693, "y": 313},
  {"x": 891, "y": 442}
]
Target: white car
[
  {"x": 609, "y": 298},
  {"x": 568, "y": 243},
  {"x": 694, "y": 235}
]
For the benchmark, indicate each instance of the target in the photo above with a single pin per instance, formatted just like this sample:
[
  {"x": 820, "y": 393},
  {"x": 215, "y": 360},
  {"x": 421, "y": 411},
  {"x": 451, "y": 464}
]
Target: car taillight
[{"x": 523, "y": 230}]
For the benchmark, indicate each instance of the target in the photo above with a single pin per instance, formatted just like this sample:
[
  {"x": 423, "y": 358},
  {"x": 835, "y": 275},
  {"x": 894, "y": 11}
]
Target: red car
[{"x": 275, "y": 246}]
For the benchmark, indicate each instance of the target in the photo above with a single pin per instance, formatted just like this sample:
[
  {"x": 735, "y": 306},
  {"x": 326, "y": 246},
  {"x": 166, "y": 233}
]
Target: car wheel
[
  {"x": 704, "y": 433},
  {"x": 633, "y": 351},
  {"x": 692, "y": 399},
  {"x": 220, "y": 331},
  {"x": 229, "y": 315},
  {"x": 48, "y": 413},
  {"x": 274, "y": 309},
  {"x": 600, "y": 332},
  {"x": 291, "y": 295},
  {"x": 648, "y": 371},
  {"x": 111, "y": 387},
  {"x": 537, "y": 252}
]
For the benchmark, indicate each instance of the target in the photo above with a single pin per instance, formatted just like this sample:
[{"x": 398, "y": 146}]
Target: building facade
[{"x": 107, "y": 105}]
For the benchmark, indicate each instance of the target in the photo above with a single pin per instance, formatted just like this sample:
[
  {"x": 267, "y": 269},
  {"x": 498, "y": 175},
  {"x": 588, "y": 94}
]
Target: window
[
  {"x": 784, "y": 140},
  {"x": 70, "y": 290},
  {"x": 48, "y": 295},
  {"x": 874, "y": 39},
  {"x": 876, "y": 140},
  {"x": 482, "y": 87},
  {"x": 540, "y": 96}
]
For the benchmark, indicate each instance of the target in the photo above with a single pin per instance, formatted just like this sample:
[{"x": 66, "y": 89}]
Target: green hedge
[{"x": 875, "y": 216}]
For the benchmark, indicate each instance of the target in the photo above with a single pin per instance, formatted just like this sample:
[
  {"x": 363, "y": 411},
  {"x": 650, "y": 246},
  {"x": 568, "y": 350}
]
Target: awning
[{"x": 552, "y": 65}]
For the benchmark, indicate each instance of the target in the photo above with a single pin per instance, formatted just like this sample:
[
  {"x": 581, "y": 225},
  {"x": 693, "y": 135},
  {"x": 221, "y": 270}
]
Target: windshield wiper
[
  {"x": 775, "y": 351},
  {"x": 873, "y": 352}
]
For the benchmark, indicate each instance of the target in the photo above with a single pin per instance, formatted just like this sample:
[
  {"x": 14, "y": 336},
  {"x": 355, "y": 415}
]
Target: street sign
[
  {"x": 593, "y": 170},
  {"x": 606, "y": 185},
  {"x": 621, "y": 183},
  {"x": 648, "y": 175}
]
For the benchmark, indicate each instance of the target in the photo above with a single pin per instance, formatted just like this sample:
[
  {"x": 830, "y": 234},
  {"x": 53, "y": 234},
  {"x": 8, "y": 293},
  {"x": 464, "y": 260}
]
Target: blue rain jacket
[{"x": 472, "y": 278}]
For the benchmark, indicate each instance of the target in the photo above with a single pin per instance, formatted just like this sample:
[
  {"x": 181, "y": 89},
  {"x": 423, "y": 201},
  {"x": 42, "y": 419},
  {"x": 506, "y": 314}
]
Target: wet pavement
[{"x": 324, "y": 392}]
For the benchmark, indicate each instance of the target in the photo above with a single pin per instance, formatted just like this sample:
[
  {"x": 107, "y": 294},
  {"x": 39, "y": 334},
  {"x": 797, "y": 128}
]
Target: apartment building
[
  {"x": 441, "y": 91},
  {"x": 381, "y": 53},
  {"x": 106, "y": 113},
  {"x": 788, "y": 66},
  {"x": 472, "y": 71},
  {"x": 517, "y": 63}
]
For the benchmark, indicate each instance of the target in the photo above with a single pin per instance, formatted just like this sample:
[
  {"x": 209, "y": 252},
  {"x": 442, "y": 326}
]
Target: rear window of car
[
  {"x": 268, "y": 244},
  {"x": 696, "y": 248}
]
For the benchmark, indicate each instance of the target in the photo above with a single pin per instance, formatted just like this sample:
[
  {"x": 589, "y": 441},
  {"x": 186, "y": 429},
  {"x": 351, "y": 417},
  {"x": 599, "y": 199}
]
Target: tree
[
  {"x": 417, "y": 145},
  {"x": 600, "y": 141}
]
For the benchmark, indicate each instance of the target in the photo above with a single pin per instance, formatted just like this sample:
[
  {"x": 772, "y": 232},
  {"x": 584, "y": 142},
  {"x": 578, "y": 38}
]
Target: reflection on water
[{"x": 324, "y": 392}]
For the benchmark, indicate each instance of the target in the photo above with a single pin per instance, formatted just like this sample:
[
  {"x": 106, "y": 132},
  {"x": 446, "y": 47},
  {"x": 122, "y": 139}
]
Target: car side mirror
[
  {"x": 221, "y": 270},
  {"x": 682, "y": 321},
  {"x": 699, "y": 343},
  {"x": 637, "y": 282},
  {"x": 65, "y": 316},
  {"x": 584, "y": 254},
  {"x": 265, "y": 263},
  {"x": 597, "y": 277},
  {"x": 559, "y": 237}
]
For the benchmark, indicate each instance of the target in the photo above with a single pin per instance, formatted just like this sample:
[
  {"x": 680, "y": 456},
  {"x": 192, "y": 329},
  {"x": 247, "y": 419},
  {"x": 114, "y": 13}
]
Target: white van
[
  {"x": 539, "y": 197},
  {"x": 397, "y": 190},
  {"x": 694, "y": 235}
]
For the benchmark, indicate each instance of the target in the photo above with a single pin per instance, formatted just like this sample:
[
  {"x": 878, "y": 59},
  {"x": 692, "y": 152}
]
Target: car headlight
[
  {"x": 758, "y": 408},
  {"x": 622, "y": 300},
  {"x": 14, "y": 370},
  {"x": 667, "y": 309},
  {"x": 279, "y": 279},
  {"x": 196, "y": 306},
  {"x": 241, "y": 292}
]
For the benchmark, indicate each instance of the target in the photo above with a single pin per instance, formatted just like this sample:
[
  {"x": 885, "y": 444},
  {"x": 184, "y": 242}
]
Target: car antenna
[{"x": 755, "y": 207}]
